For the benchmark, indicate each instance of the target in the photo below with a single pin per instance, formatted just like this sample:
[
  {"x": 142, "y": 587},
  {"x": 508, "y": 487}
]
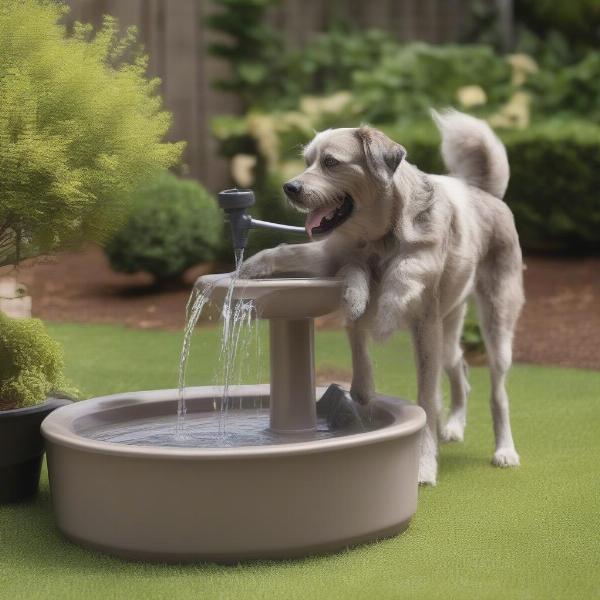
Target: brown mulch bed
[
  {"x": 82, "y": 288},
  {"x": 560, "y": 324}
]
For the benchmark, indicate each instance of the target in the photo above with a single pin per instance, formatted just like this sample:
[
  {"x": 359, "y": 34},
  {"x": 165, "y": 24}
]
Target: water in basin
[{"x": 245, "y": 427}]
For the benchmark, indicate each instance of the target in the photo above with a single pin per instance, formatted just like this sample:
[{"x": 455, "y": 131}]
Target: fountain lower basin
[
  {"x": 292, "y": 491},
  {"x": 179, "y": 504}
]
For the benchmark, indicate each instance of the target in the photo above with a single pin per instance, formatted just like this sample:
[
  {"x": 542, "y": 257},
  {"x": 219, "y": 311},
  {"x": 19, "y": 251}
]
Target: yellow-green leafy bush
[
  {"x": 31, "y": 363},
  {"x": 80, "y": 127}
]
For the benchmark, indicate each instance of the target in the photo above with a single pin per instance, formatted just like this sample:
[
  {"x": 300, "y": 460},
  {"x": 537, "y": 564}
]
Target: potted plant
[
  {"x": 81, "y": 128},
  {"x": 31, "y": 375}
]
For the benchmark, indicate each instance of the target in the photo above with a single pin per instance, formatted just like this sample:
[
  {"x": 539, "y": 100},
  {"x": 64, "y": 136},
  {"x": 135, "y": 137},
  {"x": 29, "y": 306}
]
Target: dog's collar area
[{"x": 324, "y": 220}]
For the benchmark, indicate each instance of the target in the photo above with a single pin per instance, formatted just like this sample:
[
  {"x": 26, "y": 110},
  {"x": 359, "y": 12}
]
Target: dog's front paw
[
  {"x": 428, "y": 462},
  {"x": 427, "y": 470},
  {"x": 259, "y": 265},
  {"x": 506, "y": 457},
  {"x": 354, "y": 302}
]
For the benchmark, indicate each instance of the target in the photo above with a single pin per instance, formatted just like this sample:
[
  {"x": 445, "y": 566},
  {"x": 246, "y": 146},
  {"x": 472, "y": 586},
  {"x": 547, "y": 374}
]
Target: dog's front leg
[
  {"x": 428, "y": 339},
  {"x": 363, "y": 388},
  {"x": 356, "y": 290},
  {"x": 310, "y": 258},
  {"x": 354, "y": 303},
  {"x": 401, "y": 296}
]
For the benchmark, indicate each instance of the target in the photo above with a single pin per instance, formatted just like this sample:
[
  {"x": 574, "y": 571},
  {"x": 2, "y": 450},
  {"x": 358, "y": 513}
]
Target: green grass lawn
[{"x": 531, "y": 532}]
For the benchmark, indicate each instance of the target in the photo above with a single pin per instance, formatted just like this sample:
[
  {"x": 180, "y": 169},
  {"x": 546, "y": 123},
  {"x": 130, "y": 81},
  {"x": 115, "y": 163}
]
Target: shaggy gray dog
[{"x": 411, "y": 248}]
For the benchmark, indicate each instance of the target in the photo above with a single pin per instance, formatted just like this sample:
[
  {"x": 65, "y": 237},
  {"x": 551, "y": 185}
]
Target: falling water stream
[{"x": 237, "y": 320}]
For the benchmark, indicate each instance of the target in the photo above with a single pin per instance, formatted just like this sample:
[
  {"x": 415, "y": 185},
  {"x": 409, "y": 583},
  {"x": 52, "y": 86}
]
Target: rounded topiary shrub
[
  {"x": 31, "y": 363},
  {"x": 175, "y": 224}
]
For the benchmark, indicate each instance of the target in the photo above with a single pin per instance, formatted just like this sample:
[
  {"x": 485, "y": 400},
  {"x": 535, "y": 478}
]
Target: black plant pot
[{"x": 22, "y": 449}]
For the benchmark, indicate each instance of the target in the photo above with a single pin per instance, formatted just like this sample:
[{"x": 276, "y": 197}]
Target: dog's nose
[{"x": 292, "y": 188}]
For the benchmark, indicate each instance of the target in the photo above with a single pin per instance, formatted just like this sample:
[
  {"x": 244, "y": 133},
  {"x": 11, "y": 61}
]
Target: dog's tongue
[{"x": 314, "y": 218}]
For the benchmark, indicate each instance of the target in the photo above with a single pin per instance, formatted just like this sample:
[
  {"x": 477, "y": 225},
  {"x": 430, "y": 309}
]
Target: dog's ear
[{"x": 383, "y": 155}]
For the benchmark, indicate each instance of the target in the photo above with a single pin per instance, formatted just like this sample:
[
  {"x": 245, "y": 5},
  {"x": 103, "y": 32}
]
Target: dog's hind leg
[
  {"x": 456, "y": 370},
  {"x": 428, "y": 338},
  {"x": 499, "y": 301}
]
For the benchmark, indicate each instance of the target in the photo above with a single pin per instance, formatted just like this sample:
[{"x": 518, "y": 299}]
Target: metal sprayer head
[{"x": 235, "y": 203}]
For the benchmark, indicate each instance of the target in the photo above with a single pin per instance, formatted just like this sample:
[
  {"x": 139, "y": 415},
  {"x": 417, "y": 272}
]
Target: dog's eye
[{"x": 329, "y": 161}]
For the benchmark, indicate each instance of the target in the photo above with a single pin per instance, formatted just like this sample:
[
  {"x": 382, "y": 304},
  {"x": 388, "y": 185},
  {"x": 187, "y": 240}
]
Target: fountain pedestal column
[{"x": 293, "y": 402}]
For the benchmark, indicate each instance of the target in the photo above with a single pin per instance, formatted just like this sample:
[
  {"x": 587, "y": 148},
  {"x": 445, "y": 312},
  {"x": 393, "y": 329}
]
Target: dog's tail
[{"x": 472, "y": 151}]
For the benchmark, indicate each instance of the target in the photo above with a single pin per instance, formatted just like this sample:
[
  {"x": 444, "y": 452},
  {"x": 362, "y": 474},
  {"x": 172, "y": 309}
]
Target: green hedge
[
  {"x": 555, "y": 178},
  {"x": 175, "y": 224},
  {"x": 553, "y": 190}
]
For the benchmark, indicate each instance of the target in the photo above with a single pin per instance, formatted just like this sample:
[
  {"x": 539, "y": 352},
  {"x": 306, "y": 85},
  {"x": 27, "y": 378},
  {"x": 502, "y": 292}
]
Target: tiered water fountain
[{"x": 290, "y": 476}]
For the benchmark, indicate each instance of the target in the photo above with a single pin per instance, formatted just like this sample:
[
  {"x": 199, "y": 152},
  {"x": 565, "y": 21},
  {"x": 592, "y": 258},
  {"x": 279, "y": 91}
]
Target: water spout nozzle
[{"x": 235, "y": 203}]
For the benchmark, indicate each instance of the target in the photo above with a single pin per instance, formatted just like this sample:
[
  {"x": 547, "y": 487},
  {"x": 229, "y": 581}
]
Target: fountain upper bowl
[{"x": 280, "y": 298}]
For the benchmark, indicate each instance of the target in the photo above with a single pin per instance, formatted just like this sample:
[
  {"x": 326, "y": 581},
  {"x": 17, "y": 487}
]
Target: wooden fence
[{"x": 175, "y": 37}]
